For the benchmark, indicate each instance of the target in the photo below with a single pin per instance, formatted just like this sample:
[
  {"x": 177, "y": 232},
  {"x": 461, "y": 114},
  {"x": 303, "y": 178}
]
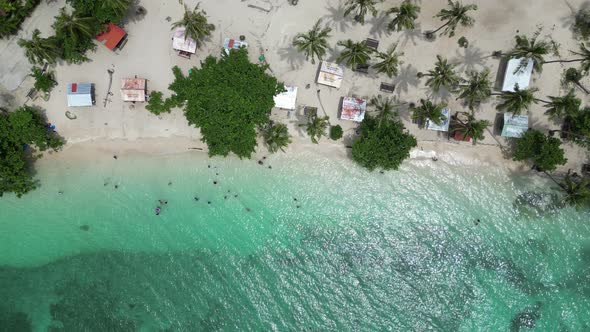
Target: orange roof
[{"x": 113, "y": 35}]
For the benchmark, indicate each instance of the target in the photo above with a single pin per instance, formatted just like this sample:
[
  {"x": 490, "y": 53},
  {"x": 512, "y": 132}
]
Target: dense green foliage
[
  {"x": 562, "y": 106},
  {"x": 313, "y": 43},
  {"x": 428, "y": 111},
  {"x": 75, "y": 34},
  {"x": 382, "y": 144},
  {"x": 44, "y": 81},
  {"x": 470, "y": 128},
  {"x": 13, "y": 13},
  {"x": 113, "y": 11},
  {"x": 227, "y": 99},
  {"x": 578, "y": 126},
  {"x": 576, "y": 191},
  {"x": 405, "y": 16},
  {"x": 457, "y": 14},
  {"x": 25, "y": 126},
  {"x": 542, "y": 151},
  {"x": 336, "y": 132},
  {"x": 276, "y": 137},
  {"x": 39, "y": 50},
  {"x": 195, "y": 23},
  {"x": 157, "y": 105}
]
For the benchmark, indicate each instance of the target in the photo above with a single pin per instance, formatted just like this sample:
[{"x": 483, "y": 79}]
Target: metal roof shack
[
  {"x": 515, "y": 125},
  {"x": 183, "y": 43},
  {"x": 331, "y": 74},
  {"x": 520, "y": 77},
  {"x": 113, "y": 36},
  {"x": 133, "y": 89},
  {"x": 80, "y": 94},
  {"x": 444, "y": 125},
  {"x": 353, "y": 109},
  {"x": 288, "y": 99}
]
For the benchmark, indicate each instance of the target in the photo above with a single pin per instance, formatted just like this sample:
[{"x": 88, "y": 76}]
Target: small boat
[{"x": 71, "y": 115}]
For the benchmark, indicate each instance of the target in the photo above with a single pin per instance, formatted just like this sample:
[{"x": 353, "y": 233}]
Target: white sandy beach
[{"x": 119, "y": 127}]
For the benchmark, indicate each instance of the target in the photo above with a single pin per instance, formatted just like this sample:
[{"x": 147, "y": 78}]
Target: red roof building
[{"x": 113, "y": 36}]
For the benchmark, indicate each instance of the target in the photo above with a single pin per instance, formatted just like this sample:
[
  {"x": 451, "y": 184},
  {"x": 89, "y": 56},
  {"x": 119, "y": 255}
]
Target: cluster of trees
[
  {"x": 227, "y": 99},
  {"x": 74, "y": 31},
  {"x": 13, "y": 13},
  {"x": 23, "y": 133}
]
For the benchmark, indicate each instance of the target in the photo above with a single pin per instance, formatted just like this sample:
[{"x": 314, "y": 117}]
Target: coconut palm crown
[
  {"x": 443, "y": 75},
  {"x": 562, "y": 106},
  {"x": 38, "y": 49},
  {"x": 457, "y": 14},
  {"x": 405, "y": 16},
  {"x": 195, "y": 23},
  {"x": 389, "y": 63},
  {"x": 518, "y": 100},
  {"x": 313, "y": 43},
  {"x": 354, "y": 53},
  {"x": 576, "y": 193},
  {"x": 477, "y": 89},
  {"x": 276, "y": 137},
  {"x": 472, "y": 128},
  {"x": 428, "y": 111},
  {"x": 531, "y": 49},
  {"x": 385, "y": 107},
  {"x": 361, "y": 7},
  {"x": 316, "y": 127}
]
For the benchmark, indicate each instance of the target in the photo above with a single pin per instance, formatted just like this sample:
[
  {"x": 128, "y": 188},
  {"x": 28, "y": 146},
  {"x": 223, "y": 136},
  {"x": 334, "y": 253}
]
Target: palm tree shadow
[
  {"x": 471, "y": 58},
  {"x": 569, "y": 20},
  {"x": 443, "y": 95},
  {"x": 336, "y": 17},
  {"x": 411, "y": 35},
  {"x": 378, "y": 25},
  {"x": 405, "y": 79},
  {"x": 332, "y": 53},
  {"x": 293, "y": 57}
]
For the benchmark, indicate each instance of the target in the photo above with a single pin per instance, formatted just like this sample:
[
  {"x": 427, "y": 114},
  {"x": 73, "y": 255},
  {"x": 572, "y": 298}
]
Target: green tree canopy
[
  {"x": 389, "y": 63},
  {"x": 443, "y": 75},
  {"x": 533, "y": 49},
  {"x": 354, "y": 53},
  {"x": 316, "y": 127},
  {"x": 39, "y": 50},
  {"x": 576, "y": 192},
  {"x": 518, "y": 100},
  {"x": 195, "y": 23},
  {"x": 477, "y": 89},
  {"x": 382, "y": 144},
  {"x": 75, "y": 33},
  {"x": 113, "y": 11},
  {"x": 227, "y": 99},
  {"x": 361, "y": 7},
  {"x": 542, "y": 151},
  {"x": 313, "y": 43},
  {"x": 276, "y": 137},
  {"x": 405, "y": 16},
  {"x": 453, "y": 16},
  {"x": 562, "y": 106},
  {"x": 19, "y": 129},
  {"x": 428, "y": 111}
]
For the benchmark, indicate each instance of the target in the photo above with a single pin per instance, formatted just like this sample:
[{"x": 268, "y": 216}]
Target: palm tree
[
  {"x": 75, "y": 28},
  {"x": 276, "y": 136},
  {"x": 532, "y": 49},
  {"x": 39, "y": 49},
  {"x": 471, "y": 128},
  {"x": 572, "y": 76},
  {"x": 428, "y": 111},
  {"x": 384, "y": 106},
  {"x": 576, "y": 193},
  {"x": 389, "y": 63},
  {"x": 361, "y": 7},
  {"x": 316, "y": 127},
  {"x": 117, "y": 8},
  {"x": 443, "y": 75},
  {"x": 477, "y": 90},
  {"x": 405, "y": 16},
  {"x": 454, "y": 16},
  {"x": 563, "y": 106},
  {"x": 313, "y": 43},
  {"x": 518, "y": 100},
  {"x": 354, "y": 53},
  {"x": 195, "y": 23},
  {"x": 584, "y": 54}
]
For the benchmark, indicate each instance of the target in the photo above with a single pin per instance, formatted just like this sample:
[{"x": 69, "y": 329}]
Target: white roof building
[
  {"x": 522, "y": 76},
  {"x": 80, "y": 94},
  {"x": 287, "y": 99},
  {"x": 353, "y": 109},
  {"x": 515, "y": 125},
  {"x": 180, "y": 43},
  {"x": 331, "y": 74}
]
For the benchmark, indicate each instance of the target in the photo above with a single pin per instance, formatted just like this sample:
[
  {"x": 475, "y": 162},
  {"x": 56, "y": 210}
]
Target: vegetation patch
[{"x": 13, "y": 13}]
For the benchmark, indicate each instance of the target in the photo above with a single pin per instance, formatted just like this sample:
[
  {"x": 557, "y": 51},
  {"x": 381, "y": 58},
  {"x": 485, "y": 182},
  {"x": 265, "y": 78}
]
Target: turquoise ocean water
[{"x": 312, "y": 244}]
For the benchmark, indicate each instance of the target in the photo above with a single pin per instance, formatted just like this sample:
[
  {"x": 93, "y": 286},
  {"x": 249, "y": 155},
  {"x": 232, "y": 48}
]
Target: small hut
[
  {"x": 80, "y": 94},
  {"x": 113, "y": 37},
  {"x": 232, "y": 44},
  {"x": 183, "y": 44},
  {"x": 331, "y": 74},
  {"x": 515, "y": 125},
  {"x": 133, "y": 89},
  {"x": 353, "y": 109},
  {"x": 444, "y": 125},
  {"x": 517, "y": 75},
  {"x": 288, "y": 99}
]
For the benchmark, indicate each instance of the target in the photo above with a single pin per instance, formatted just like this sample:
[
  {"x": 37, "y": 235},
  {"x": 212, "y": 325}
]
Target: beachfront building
[
  {"x": 353, "y": 109},
  {"x": 288, "y": 99},
  {"x": 133, "y": 89},
  {"x": 80, "y": 94},
  {"x": 444, "y": 125},
  {"x": 185, "y": 46},
  {"x": 514, "y": 125},
  {"x": 330, "y": 74},
  {"x": 514, "y": 76},
  {"x": 113, "y": 37},
  {"x": 232, "y": 44}
]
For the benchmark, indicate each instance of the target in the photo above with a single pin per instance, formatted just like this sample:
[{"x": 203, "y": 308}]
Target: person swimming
[{"x": 158, "y": 210}]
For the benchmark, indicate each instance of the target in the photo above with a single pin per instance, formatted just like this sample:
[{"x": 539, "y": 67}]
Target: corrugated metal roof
[{"x": 82, "y": 88}]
